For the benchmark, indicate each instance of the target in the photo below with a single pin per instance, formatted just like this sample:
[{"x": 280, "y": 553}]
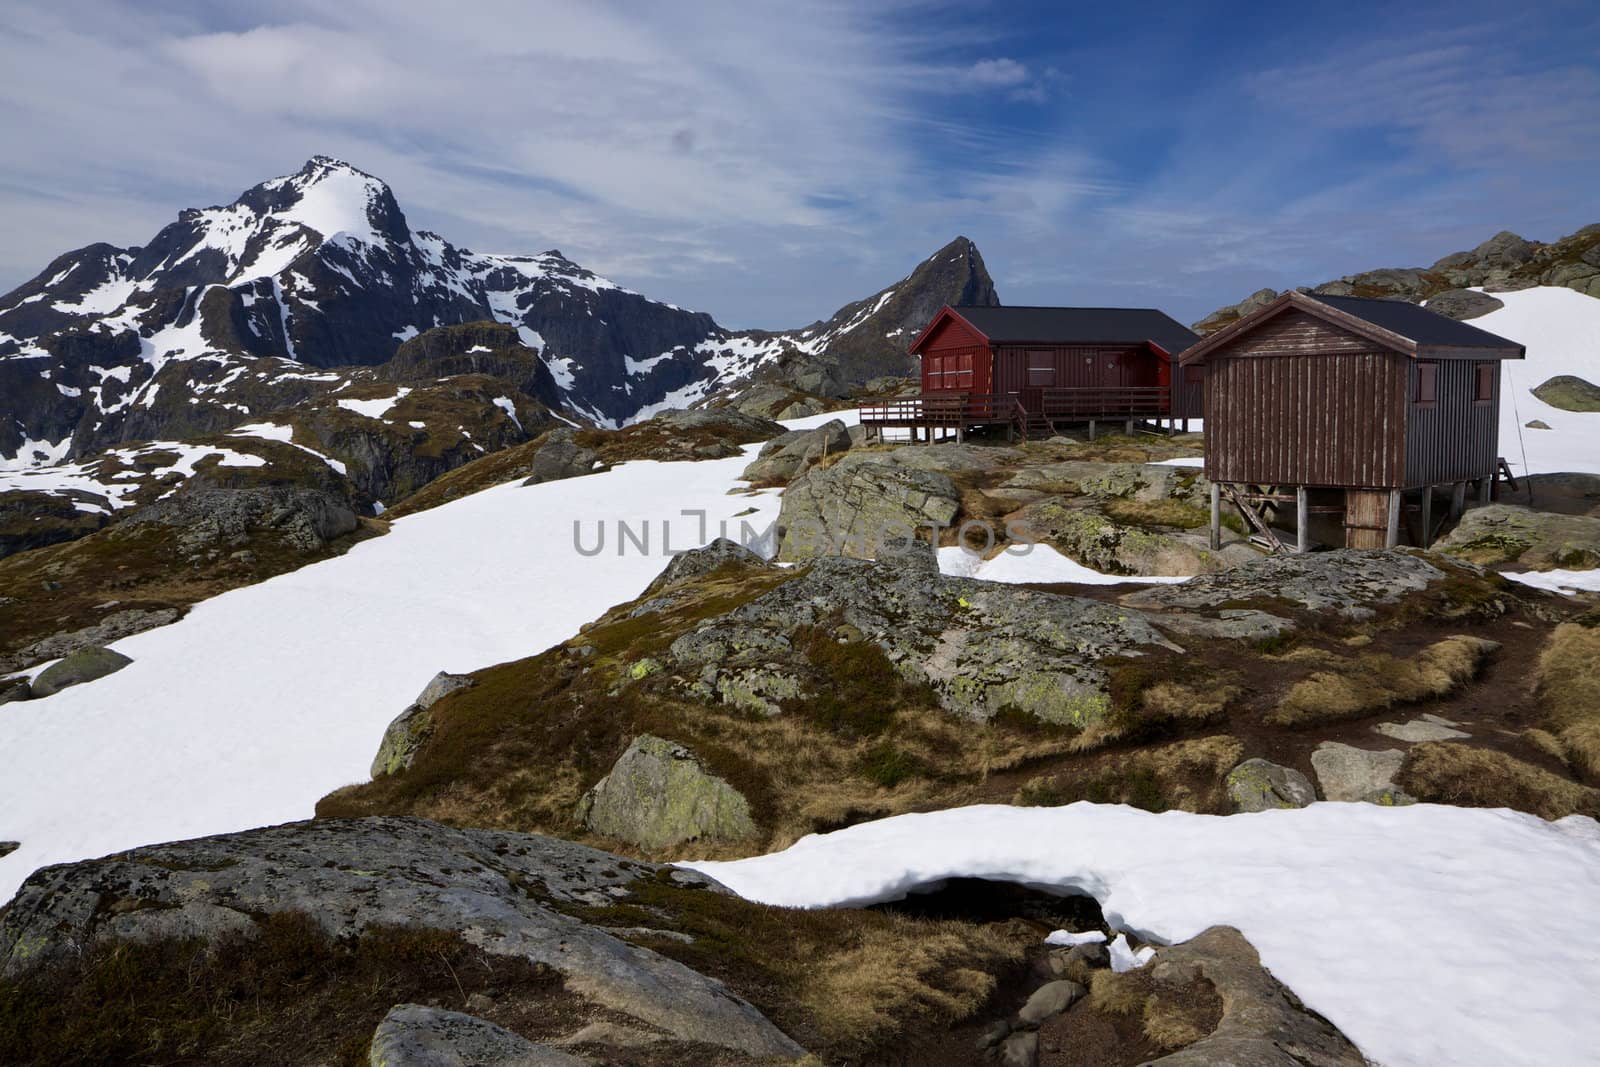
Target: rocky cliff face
[
  {"x": 1502, "y": 263},
  {"x": 230, "y": 312}
]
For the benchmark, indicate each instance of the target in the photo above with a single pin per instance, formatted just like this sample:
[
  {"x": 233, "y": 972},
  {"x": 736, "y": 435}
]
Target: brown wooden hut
[
  {"x": 1350, "y": 408},
  {"x": 1033, "y": 369}
]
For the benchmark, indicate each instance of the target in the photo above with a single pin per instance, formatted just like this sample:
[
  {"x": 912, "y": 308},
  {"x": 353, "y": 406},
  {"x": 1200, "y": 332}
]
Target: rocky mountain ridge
[
  {"x": 1505, "y": 262},
  {"x": 231, "y": 312}
]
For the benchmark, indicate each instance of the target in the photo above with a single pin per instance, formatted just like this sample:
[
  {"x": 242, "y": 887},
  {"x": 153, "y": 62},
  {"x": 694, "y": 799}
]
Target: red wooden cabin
[{"x": 1034, "y": 368}]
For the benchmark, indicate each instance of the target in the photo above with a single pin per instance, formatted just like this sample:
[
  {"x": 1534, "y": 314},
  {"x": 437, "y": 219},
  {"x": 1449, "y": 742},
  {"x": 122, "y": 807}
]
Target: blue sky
[{"x": 769, "y": 162}]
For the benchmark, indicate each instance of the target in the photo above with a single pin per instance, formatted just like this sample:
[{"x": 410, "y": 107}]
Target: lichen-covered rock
[
  {"x": 781, "y": 458},
  {"x": 405, "y": 735},
  {"x": 699, "y": 562},
  {"x": 657, "y": 795},
  {"x": 981, "y": 646},
  {"x": 84, "y": 665},
  {"x": 304, "y": 518},
  {"x": 1569, "y": 393},
  {"x": 413, "y": 1035},
  {"x": 8, "y": 847},
  {"x": 559, "y": 457},
  {"x": 860, "y": 503},
  {"x": 1347, "y": 581},
  {"x": 1088, "y": 536},
  {"x": 1353, "y": 774},
  {"x": 1463, "y": 304},
  {"x": 1259, "y": 785},
  {"x": 1534, "y": 540},
  {"x": 1263, "y": 1024},
  {"x": 15, "y": 689},
  {"x": 504, "y": 892}
]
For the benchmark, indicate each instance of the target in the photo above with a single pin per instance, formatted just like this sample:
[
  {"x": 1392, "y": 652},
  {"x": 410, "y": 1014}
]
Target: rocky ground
[{"x": 494, "y": 893}]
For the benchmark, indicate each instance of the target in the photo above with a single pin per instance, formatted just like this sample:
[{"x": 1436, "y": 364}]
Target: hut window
[
  {"x": 1427, "y": 384},
  {"x": 964, "y": 375},
  {"x": 1483, "y": 383},
  {"x": 1045, "y": 375}
]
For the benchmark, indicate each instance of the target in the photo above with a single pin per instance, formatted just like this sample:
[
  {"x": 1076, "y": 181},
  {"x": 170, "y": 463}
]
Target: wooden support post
[
  {"x": 1427, "y": 516},
  {"x": 1391, "y": 537},
  {"x": 1302, "y": 519},
  {"x": 1216, "y": 517},
  {"x": 961, "y": 435},
  {"x": 1127, "y": 428},
  {"x": 1458, "y": 500},
  {"x": 1091, "y": 429},
  {"x": 1186, "y": 424},
  {"x": 1486, "y": 490}
]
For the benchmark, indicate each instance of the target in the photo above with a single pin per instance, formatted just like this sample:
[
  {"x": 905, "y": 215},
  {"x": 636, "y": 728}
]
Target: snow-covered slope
[
  {"x": 1429, "y": 935},
  {"x": 264, "y": 699},
  {"x": 1561, "y": 330}
]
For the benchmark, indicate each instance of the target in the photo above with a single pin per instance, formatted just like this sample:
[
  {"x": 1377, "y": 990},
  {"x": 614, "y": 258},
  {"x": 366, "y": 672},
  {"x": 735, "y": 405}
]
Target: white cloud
[{"x": 1002, "y": 73}]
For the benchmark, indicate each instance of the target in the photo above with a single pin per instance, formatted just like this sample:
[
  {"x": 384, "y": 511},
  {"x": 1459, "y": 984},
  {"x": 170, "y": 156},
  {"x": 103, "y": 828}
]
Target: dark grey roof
[
  {"x": 1087, "y": 326},
  {"x": 1415, "y": 322}
]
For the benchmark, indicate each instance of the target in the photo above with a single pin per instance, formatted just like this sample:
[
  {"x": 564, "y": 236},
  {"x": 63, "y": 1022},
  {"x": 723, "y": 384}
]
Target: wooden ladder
[{"x": 1265, "y": 535}]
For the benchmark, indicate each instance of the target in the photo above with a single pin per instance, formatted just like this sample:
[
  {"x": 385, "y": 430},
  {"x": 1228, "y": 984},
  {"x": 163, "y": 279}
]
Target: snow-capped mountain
[{"x": 232, "y": 311}]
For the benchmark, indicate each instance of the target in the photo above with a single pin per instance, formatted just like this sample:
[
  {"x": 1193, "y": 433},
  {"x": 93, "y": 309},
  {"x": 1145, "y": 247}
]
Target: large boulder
[
  {"x": 414, "y": 1035},
  {"x": 980, "y": 646},
  {"x": 405, "y": 735},
  {"x": 657, "y": 795},
  {"x": 560, "y": 456},
  {"x": 1259, "y": 785},
  {"x": 1569, "y": 393},
  {"x": 1464, "y": 303},
  {"x": 1533, "y": 540},
  {"x": 860, "y": 503},
  {"x": 1350, "y": 774},
  {"x": 84, "y": 665},
  {"x": 784, "y": 457},
  {"x": 210, "y": 518},
  {"x": 509, "y": 894}
]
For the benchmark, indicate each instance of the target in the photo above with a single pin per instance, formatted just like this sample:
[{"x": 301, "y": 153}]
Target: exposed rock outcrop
[
  {"x": 1349, "y": 773},
  {"x": 559, "y": 457},
  {"x": 980, "y": 646},
  {"x": 505, "y": 892},
  {"x": 657, "y": 795},
  {"x": 1347, "y": 581},
  {"x": 856, "y": 505},
  {"x": 1569, "y": 393},
  {"x": 1533, "y": 540},
  {"x": 415, "y": 1035},
  {"x": 113, "y": 627}
]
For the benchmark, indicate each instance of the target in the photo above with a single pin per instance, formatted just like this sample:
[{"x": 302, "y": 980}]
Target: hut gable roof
[
  {"x": 1072, "y": 326},
  {"x": 1395, "y": 324}
]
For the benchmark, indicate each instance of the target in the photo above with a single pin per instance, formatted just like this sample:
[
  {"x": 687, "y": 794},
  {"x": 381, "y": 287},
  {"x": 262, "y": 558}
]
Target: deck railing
[{"x": 968, "y": 409}]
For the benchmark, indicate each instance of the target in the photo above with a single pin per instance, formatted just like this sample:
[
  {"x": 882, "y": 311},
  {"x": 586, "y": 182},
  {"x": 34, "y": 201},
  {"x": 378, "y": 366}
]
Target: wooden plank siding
[
  {"x": 1456, "y": 439},
  {"x": 1298, "y": 401},
  {"x": 1076, "y": 366},
  {"x": 955, "y": 358}
]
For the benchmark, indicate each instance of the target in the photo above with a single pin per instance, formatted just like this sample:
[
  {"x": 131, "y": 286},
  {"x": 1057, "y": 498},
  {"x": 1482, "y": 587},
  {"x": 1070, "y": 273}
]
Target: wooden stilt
[
  {"x": 1127, "y": 428},
  {"x": 1091, "y": 429},
  {"x": 1458, "y": 500},
  {"x": 1391, "y": 537},
  {"x": 1216, "y": 517},
  {"x": 1486, "y": 490},
  {"x": 1427, "y": 516},
  {"x": 1302, "y": 519}
]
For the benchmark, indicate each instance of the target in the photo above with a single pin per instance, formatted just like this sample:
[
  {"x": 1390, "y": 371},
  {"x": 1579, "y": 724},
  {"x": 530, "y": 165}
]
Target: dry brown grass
[
  {"x": 1158, "y": 513},
  {"x": 1172, "y": 1014},
  {"x": 1363, "y": 685},
  {"x": 1184, "y": 775},
  {"x": 1568, "y": 686},
  {"x": 1451, "y": 773},
  {"x": 943, "y": 972},
  {"x": 1171, "y": 1025}
]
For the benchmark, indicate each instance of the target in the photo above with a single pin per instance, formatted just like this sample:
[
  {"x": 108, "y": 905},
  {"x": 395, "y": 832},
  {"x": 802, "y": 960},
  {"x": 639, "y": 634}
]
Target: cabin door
[{"x": 1038, "y": 375}]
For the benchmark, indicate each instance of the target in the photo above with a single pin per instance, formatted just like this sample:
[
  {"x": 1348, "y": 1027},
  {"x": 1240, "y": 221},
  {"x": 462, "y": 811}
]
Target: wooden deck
[{"x": 1036, "y": 413}]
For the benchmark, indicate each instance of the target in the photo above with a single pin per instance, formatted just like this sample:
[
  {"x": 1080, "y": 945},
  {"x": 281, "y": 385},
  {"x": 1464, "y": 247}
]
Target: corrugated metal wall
[{"x": 1458, "y": 438}]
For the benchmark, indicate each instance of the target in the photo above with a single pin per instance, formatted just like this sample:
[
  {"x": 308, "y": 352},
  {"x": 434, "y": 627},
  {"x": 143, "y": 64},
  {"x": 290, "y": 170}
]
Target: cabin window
[
  {"x": 1483, "y": 383},
  {"x": 964, "y": 370},
  {"x": 1042, "y": 375},
  {"x": 1427, "y": 384}
]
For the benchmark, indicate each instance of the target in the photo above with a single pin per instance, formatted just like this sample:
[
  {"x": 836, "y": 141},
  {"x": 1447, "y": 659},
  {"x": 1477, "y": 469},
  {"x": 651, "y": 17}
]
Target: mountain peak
[{"x": 330, "y": 196}]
